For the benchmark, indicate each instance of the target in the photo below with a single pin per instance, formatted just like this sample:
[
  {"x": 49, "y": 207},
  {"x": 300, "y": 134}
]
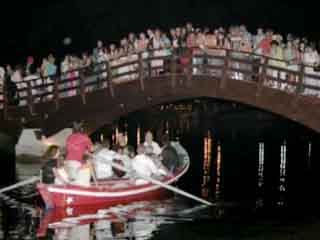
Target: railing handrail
[
  {"x": 143, "y": 62},
  {"x": 60, "y": 73}
]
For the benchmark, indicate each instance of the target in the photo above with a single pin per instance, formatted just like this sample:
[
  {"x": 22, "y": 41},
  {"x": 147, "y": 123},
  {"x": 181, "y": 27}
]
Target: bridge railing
[{"x": 219, "y": 64}]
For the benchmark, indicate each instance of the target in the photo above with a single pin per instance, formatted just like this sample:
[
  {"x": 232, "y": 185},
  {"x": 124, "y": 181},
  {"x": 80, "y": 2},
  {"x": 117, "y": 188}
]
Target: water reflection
[
  {"x": 139, "y": 220},
  {"x": 259, "y": 200},
  {"x": 206, "y": 164},
  {"x": 218, "y": 174},
  {"x": 283, "y": 173}
]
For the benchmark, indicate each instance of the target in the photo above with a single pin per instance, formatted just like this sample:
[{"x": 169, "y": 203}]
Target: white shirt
[
  {"x": 144, "y": 165},
  {"x": 155, "y": 147},
  {"x": 102, "y": 163}
]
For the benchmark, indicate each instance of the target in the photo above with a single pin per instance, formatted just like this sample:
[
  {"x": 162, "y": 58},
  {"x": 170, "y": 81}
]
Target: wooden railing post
[
  {"x": 56, "y": 91},
  {"x": 299, "y": 88},
  {"x": 30, "y": 98},
  {"x": 189, "y": 67},
  {"x": 109, "y": 79},
  {"x": 225, "y": 71},
  {"x": 141, "y": 71},
  {"x": 262, "y": 73},
  {"x": 82, "y": 87},
  {"x": 173, "y": 69},
  {"x": 149, "y": 65}
]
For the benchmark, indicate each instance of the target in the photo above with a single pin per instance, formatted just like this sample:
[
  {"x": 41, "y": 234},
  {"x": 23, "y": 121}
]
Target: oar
[
  {"x": 20, "y": 184},
  {"x": 159, "y": 183}
]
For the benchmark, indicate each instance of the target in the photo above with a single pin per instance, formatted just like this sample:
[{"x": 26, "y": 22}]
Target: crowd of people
[
  {"x": 82, "y": 161},
  {"x": 287, "y": 52}
]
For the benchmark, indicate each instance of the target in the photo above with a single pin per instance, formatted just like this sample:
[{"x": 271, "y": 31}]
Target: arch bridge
[{"x": 101, "y": 93}]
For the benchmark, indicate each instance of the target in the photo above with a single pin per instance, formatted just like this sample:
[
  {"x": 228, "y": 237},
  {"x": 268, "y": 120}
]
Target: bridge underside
[{"x": 101, "y": 108}]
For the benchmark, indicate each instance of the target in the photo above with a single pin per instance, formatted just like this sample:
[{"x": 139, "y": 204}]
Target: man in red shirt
[{"x": 77, "y": 144}]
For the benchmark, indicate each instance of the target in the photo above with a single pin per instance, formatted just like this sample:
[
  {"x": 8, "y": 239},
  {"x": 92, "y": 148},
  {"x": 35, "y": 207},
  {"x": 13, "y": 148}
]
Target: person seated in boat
[
  {"x": 155, "y": 158},
  {"x": 103, "y": 161},
  {"x": 150, "y": 142},
  {"x": 125, "y": 154},
  {"x": 122, "y": 147},
  {"x": 123, "y": 158},
  {"x": 169, "y": 155},
  {"x": 77, "y": 145},
  {"x": 143, "y": 165},
  {"x": 53, "y": 161}
]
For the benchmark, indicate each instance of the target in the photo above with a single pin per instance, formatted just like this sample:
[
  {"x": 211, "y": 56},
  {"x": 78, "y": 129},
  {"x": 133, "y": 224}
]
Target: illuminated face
[
  {"x": 149, "y": 137},
  {"x": 122, "y": 140},
  {"x": 172, "y": 32},
  {"x": 131, "y": 36},
  {"x": 142, "y": 36},
  {"x": 100, "y": 44}
]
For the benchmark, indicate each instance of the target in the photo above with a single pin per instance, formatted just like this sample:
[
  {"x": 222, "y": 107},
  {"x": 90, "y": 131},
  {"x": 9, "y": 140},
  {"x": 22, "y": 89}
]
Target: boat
[{"x": 113, "y": 191}]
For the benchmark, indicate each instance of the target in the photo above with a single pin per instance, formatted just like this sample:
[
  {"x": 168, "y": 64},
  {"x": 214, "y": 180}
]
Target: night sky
[{"x": 38, "y": 28}]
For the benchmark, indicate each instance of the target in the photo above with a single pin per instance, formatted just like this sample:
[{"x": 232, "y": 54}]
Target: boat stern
[{"x": 45, "y": 195}]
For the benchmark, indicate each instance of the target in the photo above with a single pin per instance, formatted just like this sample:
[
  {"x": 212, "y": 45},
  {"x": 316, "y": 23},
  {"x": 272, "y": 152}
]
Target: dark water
[{"x": 259, "y": 169}]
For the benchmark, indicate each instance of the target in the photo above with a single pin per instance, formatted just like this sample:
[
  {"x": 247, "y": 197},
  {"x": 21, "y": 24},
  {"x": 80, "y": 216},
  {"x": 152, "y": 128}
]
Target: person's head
[
  {"x": 53, "y": 152},
  {"x": 8, "y": 68},
  {"x": 178, "y": 32},
  {"x": 99, "y": 44},
  {"x": 150, "y": 33},
  {"x": 157, "y": 33},
  {"x": 172, "y": 32},
  {"x": 184, "y": 32},
  {"x": 30, "y": 60},
  {"x": 165, "y": 139},
  {"x": 142, "y": 36},
  {"x": 122, "y": 140},
  {"x": 112, "y": 47},
  {"x": 189, "y": 27},
  {"x": 260, "y": 31},
  {"x": 51, "y": 59},
  {"x": 44, "y": 61},
  {"x": 106, "y": 144},
  {"x": 140, "y": 149},
  {"x": 302, "y": 46},
  {"x": 78, "y": 127},
  {"x": 132, "y": 37},
  {"x": 84, "y": 55},
  {"x": 149, "y": 137}
]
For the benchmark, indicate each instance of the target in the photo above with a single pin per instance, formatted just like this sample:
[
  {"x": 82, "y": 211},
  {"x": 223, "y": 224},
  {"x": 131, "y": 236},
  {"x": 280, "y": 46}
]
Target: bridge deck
[{"x": 106, "y": 91}]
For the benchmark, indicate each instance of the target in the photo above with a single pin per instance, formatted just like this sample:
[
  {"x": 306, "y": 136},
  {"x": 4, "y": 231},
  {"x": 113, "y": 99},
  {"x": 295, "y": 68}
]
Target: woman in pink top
[{"x": 77, "y": 145}]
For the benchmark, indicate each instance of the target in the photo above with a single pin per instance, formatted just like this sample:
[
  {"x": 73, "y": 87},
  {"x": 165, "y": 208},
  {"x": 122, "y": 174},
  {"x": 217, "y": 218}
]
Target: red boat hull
[{"x": 69, "y": 199}]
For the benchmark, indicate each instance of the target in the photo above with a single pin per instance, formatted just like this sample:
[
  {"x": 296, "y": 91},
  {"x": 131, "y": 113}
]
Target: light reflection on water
[
  {"x": 206, "y": 165},
  {"x": 283, "y": 173}
]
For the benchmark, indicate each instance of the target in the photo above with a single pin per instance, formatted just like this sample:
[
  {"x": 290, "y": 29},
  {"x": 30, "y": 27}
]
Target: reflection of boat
[
  {"x": 134, "y": 220},
  {"x": 111, "y": 192}
]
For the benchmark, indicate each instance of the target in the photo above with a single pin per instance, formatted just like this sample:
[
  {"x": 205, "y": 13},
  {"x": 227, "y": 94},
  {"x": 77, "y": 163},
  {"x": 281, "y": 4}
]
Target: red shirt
[
  {"x": 76, "y": 145},
  {"x": 265, "y": 45}
]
